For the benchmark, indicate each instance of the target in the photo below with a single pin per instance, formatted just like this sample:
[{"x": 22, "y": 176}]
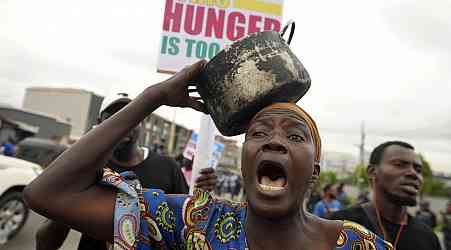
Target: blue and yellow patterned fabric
[{"x": 150, "y": 219}]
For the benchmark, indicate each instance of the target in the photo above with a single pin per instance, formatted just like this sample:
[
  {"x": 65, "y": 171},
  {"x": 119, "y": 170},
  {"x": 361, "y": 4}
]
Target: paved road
[{"x": 25, "y": 239}]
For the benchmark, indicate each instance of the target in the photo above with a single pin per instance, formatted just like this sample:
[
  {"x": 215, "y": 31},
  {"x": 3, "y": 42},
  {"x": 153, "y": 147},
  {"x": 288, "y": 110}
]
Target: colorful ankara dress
[{"x": 151, "y": 219}]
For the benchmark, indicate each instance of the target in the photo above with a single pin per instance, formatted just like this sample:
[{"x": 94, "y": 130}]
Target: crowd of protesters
[
  {"x": 394, "y": 166},
  {"x": 127, "y": 214}
]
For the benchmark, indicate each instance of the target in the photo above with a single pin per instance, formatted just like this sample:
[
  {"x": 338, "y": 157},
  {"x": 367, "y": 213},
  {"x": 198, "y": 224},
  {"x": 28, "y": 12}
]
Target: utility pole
[{"x": 362, "y": 143}]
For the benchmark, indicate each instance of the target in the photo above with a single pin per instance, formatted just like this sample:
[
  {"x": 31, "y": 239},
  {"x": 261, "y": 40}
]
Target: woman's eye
[
  {"x": 296, "y": 138},
  {"x": 258, "y": 134}
]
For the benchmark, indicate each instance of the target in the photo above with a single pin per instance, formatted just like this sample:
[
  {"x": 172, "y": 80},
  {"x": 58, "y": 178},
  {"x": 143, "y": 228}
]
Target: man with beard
[
  {"x": 280, "y": 161},
  {"x": 152, "y": 170},
  {"x": 395, "y": 173},
  {"x": 329, "y": 204}
]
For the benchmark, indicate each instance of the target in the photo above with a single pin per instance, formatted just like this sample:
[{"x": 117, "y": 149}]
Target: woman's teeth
[{"x": 272, "y": 185}]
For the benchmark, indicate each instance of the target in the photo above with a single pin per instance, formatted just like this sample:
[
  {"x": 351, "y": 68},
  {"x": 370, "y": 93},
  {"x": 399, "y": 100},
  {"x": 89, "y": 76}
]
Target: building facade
[
  {"x": 78, "y": 107},
  {"x": 44, "y": 126},
  {"x": 162, "y": 134},
  {"x": 14, "y": 131}
]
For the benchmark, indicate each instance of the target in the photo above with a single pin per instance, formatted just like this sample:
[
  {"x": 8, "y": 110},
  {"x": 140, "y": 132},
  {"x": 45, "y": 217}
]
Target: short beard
[
  {"x": 401, "y": 201},
  {"x": 123, "y": 152}
]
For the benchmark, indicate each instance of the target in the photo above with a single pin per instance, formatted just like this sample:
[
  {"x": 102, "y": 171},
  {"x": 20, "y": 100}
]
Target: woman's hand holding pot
[{"x": 176, "y": 90}]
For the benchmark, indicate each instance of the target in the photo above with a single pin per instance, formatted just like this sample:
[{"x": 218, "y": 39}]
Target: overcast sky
[{"x": 386, "y": 62}]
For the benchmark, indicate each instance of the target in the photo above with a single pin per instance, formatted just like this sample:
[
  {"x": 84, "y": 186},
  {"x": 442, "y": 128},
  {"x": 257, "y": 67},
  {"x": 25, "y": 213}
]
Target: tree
[
  {"x": 426, "y": 167},
  {"x": 360, "y": 177},
  {"x": 328, "y": 177},
  {"x": 431, "y": 186}
]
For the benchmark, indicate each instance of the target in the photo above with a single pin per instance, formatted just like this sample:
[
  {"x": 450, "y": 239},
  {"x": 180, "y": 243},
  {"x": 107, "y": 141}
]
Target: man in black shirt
[
  {"x": 153, "y": 171},
  {"x": 395, "y": 173}
]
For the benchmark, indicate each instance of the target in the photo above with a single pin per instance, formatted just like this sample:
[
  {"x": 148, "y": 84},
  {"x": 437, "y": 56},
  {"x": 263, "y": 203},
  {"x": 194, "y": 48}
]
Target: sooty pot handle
[{"x": 293, "y": 26}]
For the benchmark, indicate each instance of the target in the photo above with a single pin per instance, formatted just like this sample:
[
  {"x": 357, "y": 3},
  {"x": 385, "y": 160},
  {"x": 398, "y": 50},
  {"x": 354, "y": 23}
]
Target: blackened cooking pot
[{"x": 252, "y": 73}]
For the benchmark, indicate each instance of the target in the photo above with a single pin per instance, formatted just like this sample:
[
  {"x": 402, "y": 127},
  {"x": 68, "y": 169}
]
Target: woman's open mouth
[{"x": 271, "y": 176}]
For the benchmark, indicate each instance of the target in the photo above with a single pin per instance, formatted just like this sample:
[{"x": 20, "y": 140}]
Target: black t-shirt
[
  {"x": 157, "y": 172},
  {"x": 415, "y": 236}
]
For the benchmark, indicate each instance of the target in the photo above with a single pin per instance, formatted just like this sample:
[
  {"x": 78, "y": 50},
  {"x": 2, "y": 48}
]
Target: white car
[{"x": 15, "y": 174}]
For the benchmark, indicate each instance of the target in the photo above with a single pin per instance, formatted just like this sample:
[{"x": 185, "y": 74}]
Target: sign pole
[
  {"x": 204, "y": 148},
  {"x": 171, "y": 145}
]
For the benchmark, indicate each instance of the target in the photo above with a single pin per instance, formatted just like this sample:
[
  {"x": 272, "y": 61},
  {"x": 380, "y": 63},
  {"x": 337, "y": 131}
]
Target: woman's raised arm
[{"x": 68, "y": 192}]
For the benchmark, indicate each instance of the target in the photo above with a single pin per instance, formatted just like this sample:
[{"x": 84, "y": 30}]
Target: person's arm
[
  {"x": 51, "y": 235},
  {"x": 68, "y": 191}
]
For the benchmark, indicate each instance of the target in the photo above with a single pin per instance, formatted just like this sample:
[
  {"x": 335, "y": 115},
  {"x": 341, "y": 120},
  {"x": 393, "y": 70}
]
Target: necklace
[
  {"x": 379, "y": 220},
  {"x": 401, "y": 227}
]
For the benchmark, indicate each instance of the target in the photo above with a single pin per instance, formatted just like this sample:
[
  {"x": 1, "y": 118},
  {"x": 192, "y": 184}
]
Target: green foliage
[
  {"x": 348, "y": 180},
  {"x": 360, "y": 177},
  {"x": 431, "y": 186},
  {"x": 328, "y": 177},
  {"x": 426, "y": 169},
  {"x": 434, "y": 187}
]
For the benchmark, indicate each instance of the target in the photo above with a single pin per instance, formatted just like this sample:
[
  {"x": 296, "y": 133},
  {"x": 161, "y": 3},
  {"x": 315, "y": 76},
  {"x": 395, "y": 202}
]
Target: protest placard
[{"x": 199, "y": 29}]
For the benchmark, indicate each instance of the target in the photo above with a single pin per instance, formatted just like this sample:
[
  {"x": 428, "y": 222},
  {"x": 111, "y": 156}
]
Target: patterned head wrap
[{"x": 306, "y": 117}]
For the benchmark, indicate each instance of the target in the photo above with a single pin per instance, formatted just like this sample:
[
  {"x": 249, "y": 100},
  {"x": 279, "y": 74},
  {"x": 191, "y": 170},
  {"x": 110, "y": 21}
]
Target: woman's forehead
[
  {"x": 293, "y": 113},
  {"x": 278, "y": 113}
]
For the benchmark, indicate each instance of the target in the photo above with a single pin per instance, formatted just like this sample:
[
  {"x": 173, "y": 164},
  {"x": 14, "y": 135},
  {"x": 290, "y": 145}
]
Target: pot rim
[{"x": 240, "y": 41}]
